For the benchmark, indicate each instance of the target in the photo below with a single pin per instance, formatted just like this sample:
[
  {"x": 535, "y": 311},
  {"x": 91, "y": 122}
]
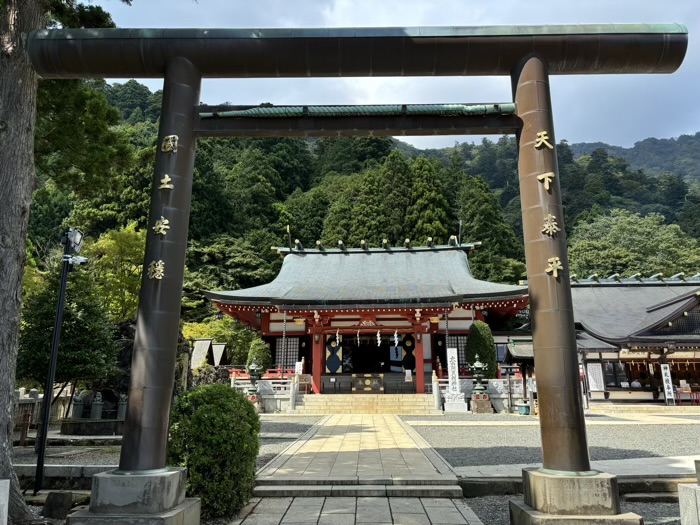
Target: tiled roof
[
  {"x": 377, "y": 276},
  {"x": 622, "y": 310}
]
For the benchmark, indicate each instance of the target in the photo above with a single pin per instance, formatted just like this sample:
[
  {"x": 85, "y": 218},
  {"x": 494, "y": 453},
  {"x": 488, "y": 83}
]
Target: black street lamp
[{"x": 73, "y": 242}]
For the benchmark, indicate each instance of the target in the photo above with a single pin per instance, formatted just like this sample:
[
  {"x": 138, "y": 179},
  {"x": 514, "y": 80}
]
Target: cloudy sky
[{"x": 616, "y": 109}]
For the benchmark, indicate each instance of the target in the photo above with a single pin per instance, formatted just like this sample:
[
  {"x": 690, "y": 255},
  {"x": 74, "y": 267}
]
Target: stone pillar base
[
  {"x": 139, "y": 499},
  {"x": 187, "y": 513},
  {"x": 554, "y": 497},
  {"x": 521, "y": 514},
  {"x": 456, "y": 406},
  {"x": 689, "y": 501}
]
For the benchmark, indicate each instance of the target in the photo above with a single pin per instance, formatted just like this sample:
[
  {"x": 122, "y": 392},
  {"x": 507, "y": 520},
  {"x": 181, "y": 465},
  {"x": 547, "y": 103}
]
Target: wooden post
[
  {"x": 420, "y": 366},
  {"x": 317, "y": 363},
  {"x": 24, "y": 430}
]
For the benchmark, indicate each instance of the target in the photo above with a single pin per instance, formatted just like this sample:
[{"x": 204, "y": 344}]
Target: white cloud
[{"x": 615, "y": 109}]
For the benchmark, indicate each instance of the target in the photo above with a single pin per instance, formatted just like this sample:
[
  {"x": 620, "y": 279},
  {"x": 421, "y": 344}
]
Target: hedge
[{"x": 214, "y": 434}]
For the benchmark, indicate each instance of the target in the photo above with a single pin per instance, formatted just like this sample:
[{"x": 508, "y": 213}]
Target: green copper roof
[
  {"x": 376, "y": 276},
  {"x": 447, "y": 110}
]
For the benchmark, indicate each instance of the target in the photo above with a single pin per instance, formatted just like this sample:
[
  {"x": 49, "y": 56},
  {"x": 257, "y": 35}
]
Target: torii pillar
[
  {"x": 565, "y": 486},
  {"x": 144, "y": 490}
]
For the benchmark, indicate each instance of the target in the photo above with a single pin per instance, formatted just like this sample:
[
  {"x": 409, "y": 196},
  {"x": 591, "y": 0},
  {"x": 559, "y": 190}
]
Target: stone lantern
[{"x": 480, "y": 401}]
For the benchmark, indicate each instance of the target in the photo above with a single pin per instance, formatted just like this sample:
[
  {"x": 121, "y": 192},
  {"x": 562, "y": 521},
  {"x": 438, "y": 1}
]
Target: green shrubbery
[
  {"x": 260, "y": 353},
  {"x": 480, "y": 342},
  {"x": 214, "y": 434}
]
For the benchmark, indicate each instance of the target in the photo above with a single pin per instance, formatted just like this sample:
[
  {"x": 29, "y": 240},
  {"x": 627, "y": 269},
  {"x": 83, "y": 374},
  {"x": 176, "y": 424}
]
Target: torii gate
[{"x": 527, "y": 54}]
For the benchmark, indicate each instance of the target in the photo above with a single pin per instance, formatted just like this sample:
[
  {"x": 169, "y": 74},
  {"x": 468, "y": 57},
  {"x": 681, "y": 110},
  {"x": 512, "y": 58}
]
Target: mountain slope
[{"x": 677, "y": 155}]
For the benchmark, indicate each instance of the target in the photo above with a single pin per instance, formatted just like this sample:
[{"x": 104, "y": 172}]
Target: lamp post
[{"x": 72, "y": 242}]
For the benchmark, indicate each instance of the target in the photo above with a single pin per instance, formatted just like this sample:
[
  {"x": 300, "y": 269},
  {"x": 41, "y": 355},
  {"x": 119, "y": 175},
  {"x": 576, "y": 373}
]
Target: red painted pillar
[
  {"x": 317, "y": 363},
  {"x": 420, "y": 366}
]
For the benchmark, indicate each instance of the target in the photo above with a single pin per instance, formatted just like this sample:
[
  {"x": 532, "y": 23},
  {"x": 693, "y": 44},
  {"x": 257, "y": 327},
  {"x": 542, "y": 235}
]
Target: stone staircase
[
  {"x": 428, "y": 486},
  {"x": 400, "y": 404}
]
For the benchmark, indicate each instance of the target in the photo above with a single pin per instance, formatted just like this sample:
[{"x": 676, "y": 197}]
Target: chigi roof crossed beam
[{"x": 636, "y": 279}]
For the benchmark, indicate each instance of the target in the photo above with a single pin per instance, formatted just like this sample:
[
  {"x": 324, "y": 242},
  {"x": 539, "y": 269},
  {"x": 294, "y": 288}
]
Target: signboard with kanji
[
  {"x": 453, "y": 371},
  {"x": 668, "y": 384},
  {"x": 596, "y": 382}
]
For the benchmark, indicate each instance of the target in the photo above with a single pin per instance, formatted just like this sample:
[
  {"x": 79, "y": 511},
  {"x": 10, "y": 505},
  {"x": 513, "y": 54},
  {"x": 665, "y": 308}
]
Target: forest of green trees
[{"x": 95, "y": 148}]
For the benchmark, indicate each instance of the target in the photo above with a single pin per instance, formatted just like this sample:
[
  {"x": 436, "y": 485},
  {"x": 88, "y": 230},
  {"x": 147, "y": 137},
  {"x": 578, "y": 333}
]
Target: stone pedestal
[
  {"x": 481, "y": 403},
  {"x": 151, "y": 497},
  {"x": 455, "y": 403},
  {"x": 689, "y": 500},
  {"x": 586, "y": 497}
]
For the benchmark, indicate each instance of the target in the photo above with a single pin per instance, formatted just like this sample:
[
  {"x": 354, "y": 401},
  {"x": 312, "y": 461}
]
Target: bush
[
  {"x": 480, "y": 342},
  {"x": 214, "y": 434},
  {"x": 209, "y": 375},
  {"x": 260, "y": 352}
]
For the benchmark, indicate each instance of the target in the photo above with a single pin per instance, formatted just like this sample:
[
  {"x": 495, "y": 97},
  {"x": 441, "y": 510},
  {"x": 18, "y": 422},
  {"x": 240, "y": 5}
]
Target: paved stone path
[
  {"x": 352, "y": 511},
  {"x": 361, "y": 445}
]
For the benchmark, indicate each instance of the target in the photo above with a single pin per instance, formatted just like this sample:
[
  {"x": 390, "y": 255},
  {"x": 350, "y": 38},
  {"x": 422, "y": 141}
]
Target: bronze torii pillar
[
  {"x": 564, "y": 446},
  {"x": 143, "y": 489},
  {"x": 145, "y": 442},
  {"x": 565, "y": 485}
]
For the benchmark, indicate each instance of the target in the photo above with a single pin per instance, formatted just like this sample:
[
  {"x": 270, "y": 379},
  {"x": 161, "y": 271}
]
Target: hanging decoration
[
  {"x": 281, "y": 362},
  {"x": 447, "y": 327},
  {"x": 334, "y": 354},
  {"x": 379, "y": 338},
  {"x": 337, "y": 335},
  {"x": 358, "y": 338},
  {"x": 396, "y": 338}
]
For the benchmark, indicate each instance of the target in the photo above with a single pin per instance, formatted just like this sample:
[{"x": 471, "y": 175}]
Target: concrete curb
[{"x": 478, "y": 487}]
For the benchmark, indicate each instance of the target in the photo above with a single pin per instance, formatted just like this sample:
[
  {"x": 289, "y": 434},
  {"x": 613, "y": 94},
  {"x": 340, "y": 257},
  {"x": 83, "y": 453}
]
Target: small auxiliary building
[
  {"x": 370, "y": 310},
  {"x": 629, "y": 326}
]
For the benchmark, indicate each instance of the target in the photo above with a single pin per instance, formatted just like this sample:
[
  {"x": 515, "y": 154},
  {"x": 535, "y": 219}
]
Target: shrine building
[
  {"x": 368, "y": 310},
  {"x": 629, "y": 326}
]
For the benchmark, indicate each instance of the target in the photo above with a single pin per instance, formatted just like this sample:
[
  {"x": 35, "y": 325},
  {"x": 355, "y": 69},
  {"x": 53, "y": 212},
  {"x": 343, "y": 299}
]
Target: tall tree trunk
[{"x": 18, "y": 88}]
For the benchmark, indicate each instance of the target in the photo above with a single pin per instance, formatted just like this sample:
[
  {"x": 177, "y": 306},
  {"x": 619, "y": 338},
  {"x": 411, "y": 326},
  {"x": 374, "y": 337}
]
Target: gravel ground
[
  {"x": 493, "y": 510},
  {"x": 498, "y": 445},
  {"x": 284, "y": 424},
  {"x": 269, "y": 448},
  {"x": 498, "y": 417}
]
